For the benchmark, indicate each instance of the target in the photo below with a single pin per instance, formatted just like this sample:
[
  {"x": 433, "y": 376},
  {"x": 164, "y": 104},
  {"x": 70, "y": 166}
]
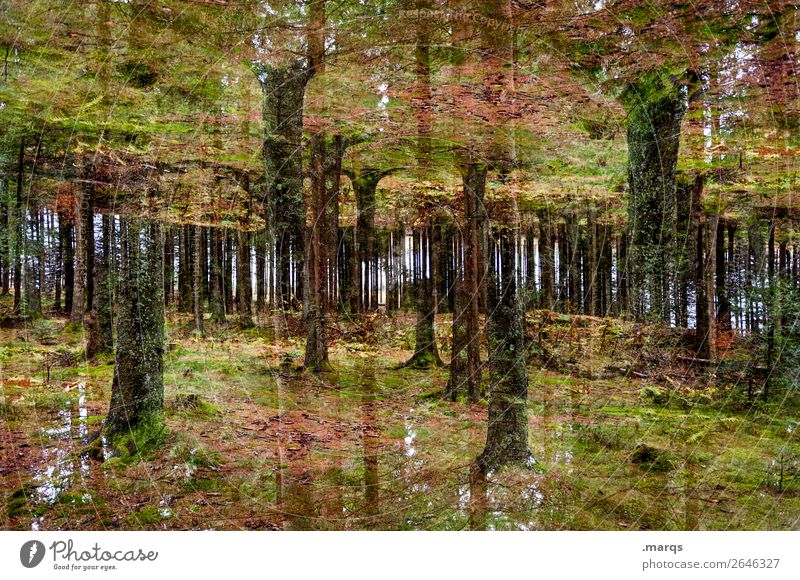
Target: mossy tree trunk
[
  {"x": 655, "y": 109},
  {"x": 507, "y": 433},
  {"x": 137, "y": 393},
  {"x": 283, "y": 89}
]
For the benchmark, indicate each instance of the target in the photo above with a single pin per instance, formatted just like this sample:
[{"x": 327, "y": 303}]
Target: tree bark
[
  {"x": 507, "y": 433},
  {"x": 655, "y": 111},
  {"x": 137, "y": 393}
]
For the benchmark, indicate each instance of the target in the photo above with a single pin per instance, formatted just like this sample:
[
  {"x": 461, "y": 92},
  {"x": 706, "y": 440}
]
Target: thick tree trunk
[
  {"x": 283, "y": 89},
  {"x": 655, "y": 112},
  {"x": 137, "y": 393},
  {"x": 507, "y": 434},
  {"x": 316, "y": 356},
  {"x": 364, "y": 185}
]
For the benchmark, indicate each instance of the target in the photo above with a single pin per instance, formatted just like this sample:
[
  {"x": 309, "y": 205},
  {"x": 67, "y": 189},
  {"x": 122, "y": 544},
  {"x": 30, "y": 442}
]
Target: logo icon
[{"x": 31, "y": 553}]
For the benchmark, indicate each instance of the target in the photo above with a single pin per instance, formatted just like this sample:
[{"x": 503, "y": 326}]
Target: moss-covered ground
[{"x": 625, "y": 434}]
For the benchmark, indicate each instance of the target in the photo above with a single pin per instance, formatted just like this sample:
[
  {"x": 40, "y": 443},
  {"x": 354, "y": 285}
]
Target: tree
[{"x": 137, "y": 392}]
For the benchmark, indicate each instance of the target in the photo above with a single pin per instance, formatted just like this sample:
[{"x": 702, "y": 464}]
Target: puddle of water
[{"x": 62, "y": 468}]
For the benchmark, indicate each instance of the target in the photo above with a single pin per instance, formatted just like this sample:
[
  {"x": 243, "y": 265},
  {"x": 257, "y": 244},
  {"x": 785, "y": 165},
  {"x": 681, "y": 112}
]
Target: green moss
[
  {"x": 140, "y": 442},
  {"x": 147, "y": 516}
]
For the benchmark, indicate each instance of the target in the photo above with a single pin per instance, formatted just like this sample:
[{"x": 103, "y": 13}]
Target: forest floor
[{"x": 625, "y": 433}]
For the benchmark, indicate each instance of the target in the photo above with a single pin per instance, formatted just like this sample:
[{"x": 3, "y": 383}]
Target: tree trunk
[
  {"x": 655, "y": 112},
  {"x": 316, "y": 356},
  {"x": 186, "y": 249},
  {"x": 87, "y": 214},
  {"x": 244, "y": 289},
  {"x": 474, "y": 180},
  {"x": 704, "y": 323},
  {"x": 546, "y": 260},
  {"x": 723, "y": 315},
  {"x": 283, "y": 88},
  {"x": 197, "y": 285},
  {"x": 101, "y": 335},
  {"x": 217, "y": 298},
  {"x": 79, "y": 277},
  {"x": 169, "y": 264},
  {"x": 507, "y": 433},
  {"x": 137, "y": 393},
  {"x": 426, "y": 353}
]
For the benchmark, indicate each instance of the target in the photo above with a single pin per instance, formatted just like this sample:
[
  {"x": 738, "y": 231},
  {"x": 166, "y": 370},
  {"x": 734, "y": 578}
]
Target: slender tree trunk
[
  {"x": 79, "y": 277},
  {"x": 244, "y": 290},
  {"x": 101, "y": 335},
  {"x": 723, "y": 314},
  {"x": 87, "y": 215},
  {"x": 217, "y": 298},
  {"x": 260, "y": 245},
  {"x": 546, "y": 260},
  {"x": 704, "y": 317},
  {"x": 197, "y": 285},
  {"x": 19, "y": 230},
  {"x": 169, "y": 264},
  {"x": 474, "y": 180},
  {"x": 457, "y": 381}
]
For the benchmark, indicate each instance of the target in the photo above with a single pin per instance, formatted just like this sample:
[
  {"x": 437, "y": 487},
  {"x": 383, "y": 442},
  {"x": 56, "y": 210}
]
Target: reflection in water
[
  {"x": 479, "y": 499},
  {"x": 63, "y": 467},
  {"x": 370, "y": 434},
  {"x": 295, "y": 503}
]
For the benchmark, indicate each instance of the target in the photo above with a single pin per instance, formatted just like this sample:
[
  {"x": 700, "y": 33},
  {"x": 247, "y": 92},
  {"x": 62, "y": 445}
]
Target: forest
[{"x": 399, "y": 265}]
